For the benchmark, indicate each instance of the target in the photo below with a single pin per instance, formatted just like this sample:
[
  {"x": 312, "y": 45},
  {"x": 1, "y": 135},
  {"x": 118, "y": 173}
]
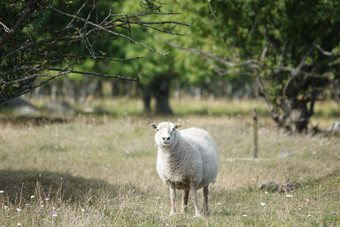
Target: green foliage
[
  {"x": 289, "y": 46},
  {"x": 51, "y": 39}
]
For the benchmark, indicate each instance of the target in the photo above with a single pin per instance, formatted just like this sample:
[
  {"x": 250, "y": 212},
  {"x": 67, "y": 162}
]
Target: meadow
[{"x": 100, "y": 170}]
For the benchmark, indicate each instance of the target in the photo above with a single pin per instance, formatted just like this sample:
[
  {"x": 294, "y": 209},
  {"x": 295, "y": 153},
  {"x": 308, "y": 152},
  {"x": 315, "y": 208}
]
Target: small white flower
[
  {"x": 266, "y": 193},
  {"x": 263, "y": 204},
  {"x": 19, "y": 224},
  {"x": 6, "y": 207},
  {"x": 2, "y": 192},
  {"x": 220, "y": 204},
  {"x": 32, "y": 196},
  {"x": 299, "y": 209},
  {"x": 307, "y": 200},
  {"x": 47, "y": 199},
  {"x": 82, "y": 210},
  {"x": 309, "y": 215},
  {"x": 42, "y": 206},
  {"x": 18, "y": 209},
  {"x": 244, "y": 215},
  {"x": 289, "y": 196},
  {"x": 54, "y": 215}
]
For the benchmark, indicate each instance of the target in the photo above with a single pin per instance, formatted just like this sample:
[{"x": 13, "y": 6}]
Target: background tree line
[{"x": 284, "y": 51}]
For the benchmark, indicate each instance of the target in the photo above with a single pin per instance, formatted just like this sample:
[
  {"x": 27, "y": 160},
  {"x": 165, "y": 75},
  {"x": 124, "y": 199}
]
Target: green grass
[{"x": 100, "y": 171}]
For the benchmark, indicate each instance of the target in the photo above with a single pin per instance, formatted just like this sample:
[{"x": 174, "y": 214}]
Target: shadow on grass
[{"x": 20, "y": 185}]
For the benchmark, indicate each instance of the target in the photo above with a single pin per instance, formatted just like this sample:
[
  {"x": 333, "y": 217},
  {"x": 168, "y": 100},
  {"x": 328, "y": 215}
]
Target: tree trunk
[
  {"x": 162, "y": 103},
  {"x": 292, "y": 114},
  {"x": 159, "y": 88},
  {"x": 161, "y": 91},
  {"x": 147, "y": 102},
  {"x": 298, "y": 115},
  {"x": 291, "y": 101}
]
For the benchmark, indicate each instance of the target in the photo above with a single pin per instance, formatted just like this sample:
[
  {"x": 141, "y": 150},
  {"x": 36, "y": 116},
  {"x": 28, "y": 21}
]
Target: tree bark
[
  {"x": 147, "y": 102},
  {"x": 298, "y": 114},
  {"x": 159, "y": 88},
  {"x": 161, "y": 92}
]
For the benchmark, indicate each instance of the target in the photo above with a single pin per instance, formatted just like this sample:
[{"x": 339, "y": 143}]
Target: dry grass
[{"x": 101, "y": 172}]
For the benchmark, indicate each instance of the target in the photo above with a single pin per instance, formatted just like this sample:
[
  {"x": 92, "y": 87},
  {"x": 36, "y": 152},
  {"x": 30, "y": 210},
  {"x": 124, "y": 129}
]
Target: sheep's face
[{"x": 167, "y": 134}]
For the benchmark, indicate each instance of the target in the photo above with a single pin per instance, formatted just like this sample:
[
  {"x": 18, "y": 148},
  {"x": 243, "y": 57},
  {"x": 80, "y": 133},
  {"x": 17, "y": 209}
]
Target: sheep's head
[{"x": 167, "y": 134}]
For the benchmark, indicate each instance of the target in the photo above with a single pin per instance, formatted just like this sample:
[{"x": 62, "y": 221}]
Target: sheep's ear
[
  {"x": 153, "y": 125},
  {"x": 178, "y": 125}
]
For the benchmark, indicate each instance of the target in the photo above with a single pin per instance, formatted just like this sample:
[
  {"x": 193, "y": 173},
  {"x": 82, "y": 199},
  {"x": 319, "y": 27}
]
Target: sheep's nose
[{"x": 166, "y": 138}]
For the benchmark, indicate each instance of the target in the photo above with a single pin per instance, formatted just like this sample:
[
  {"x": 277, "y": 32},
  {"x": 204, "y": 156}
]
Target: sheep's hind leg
[
  {"x": 193, "y": 190},
  {"x": 172, "y": 198},
  {"x": 206, "y": 195},
  {"x": 185, "y": 200}
]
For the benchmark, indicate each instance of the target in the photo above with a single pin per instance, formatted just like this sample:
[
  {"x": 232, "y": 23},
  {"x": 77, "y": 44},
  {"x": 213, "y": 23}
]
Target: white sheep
[{"x": 186, "y": 160}]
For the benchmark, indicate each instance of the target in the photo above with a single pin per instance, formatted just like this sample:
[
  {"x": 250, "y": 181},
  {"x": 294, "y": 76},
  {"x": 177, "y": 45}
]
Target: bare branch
[
  {"x": 5, "y": 27},
  {"x": 28, "y": 89},
  {"x": 29, "y": 62},
  {"x": 69, "y": 56},
  {"x": 26, "y": 13},
  {"x": 264, "y": 51},
  {"x": 202, "y": 53},
  {"x": 327, "y": 53},
  {"x": 2, "y": 82},
  {"x": 296, "y": 72},
  {"x": 96, "y": 74},
  {"x": 252, "y": 64},
  {"x": 160, "y": 22},
  {"x": 303, "y": 60},
  {"x": 111, "y": 32},
  {"x": 77, "y": 13},
  {"x": 211, "y": 10}
]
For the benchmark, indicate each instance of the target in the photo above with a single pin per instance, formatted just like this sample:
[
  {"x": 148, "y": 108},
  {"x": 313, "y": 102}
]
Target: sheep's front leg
[
  {"x": 205, "y": 195},
  {"x": 193, "y": 190},
  {"x": 172, "y": 198},
  {"x": 185, "y": 200}
]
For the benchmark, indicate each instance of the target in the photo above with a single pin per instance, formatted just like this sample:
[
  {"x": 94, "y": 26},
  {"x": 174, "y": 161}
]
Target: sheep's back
[{"x": 201, "y": 140}]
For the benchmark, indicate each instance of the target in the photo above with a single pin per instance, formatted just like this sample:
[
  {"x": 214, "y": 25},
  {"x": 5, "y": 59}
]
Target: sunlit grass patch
[
  {"x": 218, "y": 107},
  {"x": 100, "y": 171}
]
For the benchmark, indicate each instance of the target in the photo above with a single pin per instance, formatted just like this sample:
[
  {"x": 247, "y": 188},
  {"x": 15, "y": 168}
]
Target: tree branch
[
  {"x": 110, "y": 31},
  {"x": 96, "y": 74},
  {"x": 27, "y": 59},
  {"x": 26, "y": 13},
  {"x": 327, "y": 53},
  {"x": 5, "y": 27}
]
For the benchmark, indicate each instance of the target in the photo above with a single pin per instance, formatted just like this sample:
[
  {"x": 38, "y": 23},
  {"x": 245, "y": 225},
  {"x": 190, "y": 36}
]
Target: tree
[
  {"x": 292, "y": 48},
  {"x": 159, "y": 74},
  {"x": 42, "y": 40},
  {"x": 156, "y": 73}
]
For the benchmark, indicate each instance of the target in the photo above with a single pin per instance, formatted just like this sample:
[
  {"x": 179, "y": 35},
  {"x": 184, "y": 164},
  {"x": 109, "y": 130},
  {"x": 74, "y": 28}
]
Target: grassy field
[{"x": 100, "y": 171}]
